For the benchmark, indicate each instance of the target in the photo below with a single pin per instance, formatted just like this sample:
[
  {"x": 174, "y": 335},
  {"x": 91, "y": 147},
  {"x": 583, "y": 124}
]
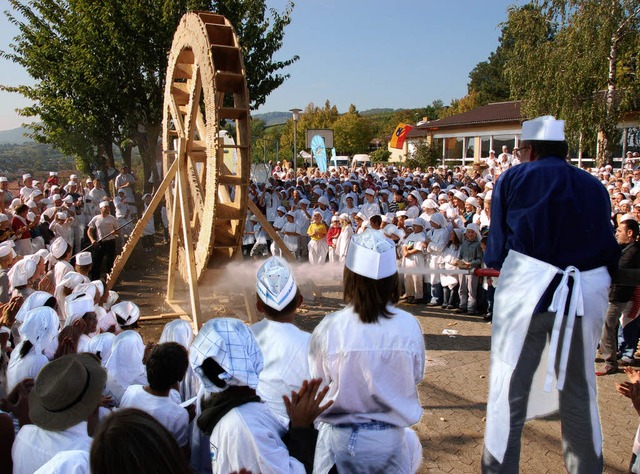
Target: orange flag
[{"x": 398, "y": 137}]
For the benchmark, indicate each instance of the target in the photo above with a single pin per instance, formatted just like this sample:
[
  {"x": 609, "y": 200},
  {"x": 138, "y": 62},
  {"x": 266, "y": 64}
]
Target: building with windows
[{"x": 468, "y": 137}]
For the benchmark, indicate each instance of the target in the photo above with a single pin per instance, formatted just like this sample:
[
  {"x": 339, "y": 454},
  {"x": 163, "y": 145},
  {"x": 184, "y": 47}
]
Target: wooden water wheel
[
  {"x": 206, "y": 85},
  {"x": 206, "y": 174}
]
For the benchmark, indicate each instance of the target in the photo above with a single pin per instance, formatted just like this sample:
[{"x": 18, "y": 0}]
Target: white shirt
[
  {"x": 372, "y": 369},
  {"x": 284, "y": 349},
  {"x": 164, "y": 409},
  {"x": 370, "y": 208},
  {"x": 250, "y": 437},
  {"x": 60, "y": 270},
  {"x": 34, "y": 446},
  {"x": 26, "y": 367},
  {"x": 67, "y": 462}
]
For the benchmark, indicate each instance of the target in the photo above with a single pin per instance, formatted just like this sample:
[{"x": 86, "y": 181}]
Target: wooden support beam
[
  {"x": 286, "y": 253},
  {"x": 127, "y": 250}
]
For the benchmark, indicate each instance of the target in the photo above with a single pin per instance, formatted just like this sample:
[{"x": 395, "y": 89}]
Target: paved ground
[{"x": 454, "y": 391}]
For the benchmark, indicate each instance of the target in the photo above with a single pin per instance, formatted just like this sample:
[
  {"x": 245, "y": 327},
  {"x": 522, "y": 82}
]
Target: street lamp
[{"x": 296, "y": 115}]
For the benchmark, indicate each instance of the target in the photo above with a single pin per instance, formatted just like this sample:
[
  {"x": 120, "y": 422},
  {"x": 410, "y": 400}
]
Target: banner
[
  {"x": 319, "y": 152},
  {"x": 398, "y": 137}
]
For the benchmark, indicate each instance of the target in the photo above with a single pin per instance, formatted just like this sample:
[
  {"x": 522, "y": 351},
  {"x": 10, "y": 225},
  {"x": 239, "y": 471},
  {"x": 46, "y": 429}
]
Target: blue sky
[{"x": 371, "y": 53}]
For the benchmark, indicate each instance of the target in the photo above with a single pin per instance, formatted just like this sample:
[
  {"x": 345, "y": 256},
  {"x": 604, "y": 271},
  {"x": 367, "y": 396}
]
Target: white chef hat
[
  {"x": 371, "y": 255},
  {"x": 370, "y": 192},
  {"x": 401, "y": 214},
  {"x": 84, "y": 258},
  {"x": 344, "y": 216},
  {"x": 545, "y": 128},
  {"x": 474, "y": 228},
  {"x": 99, "y": 286},
  {"x": 61, "y": 215},
  {"x": 127, "y": 311},
  {"x": 4, "y": 179},
  {"x": 56, "y": 197},
  {"x": 26, "y": 176},
  {"x": 460, "y": 195},
  {"x": 104, "y": 204},
  {"x": 31, "y": 216},
  {"x": 58, "y": 247},
  {"x": 275, "y": 284},
  {"x": 53, "y": 173}
]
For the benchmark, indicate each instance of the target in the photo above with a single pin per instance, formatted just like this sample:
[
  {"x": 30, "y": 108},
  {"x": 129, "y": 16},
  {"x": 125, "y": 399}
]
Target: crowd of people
[{"x": 78, "y": 383}]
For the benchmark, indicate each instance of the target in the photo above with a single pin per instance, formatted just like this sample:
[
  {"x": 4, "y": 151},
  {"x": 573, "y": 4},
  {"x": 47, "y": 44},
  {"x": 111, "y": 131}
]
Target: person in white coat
[
  {"x": 371, "y": 355},
  {"x": 284, "y": 347},
  {"x": 342, "y": 245},
  {"x": 242, "y": 431}
]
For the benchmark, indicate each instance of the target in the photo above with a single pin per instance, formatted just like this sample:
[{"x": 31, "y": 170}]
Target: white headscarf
[
  {"x": 125, "y": 362},
  {"x": 36, "y": 299},
  {"x": 40, "y": 327},
  {"x": 102, "y": 345},
  {"x": 231, "y": 344},
  {"x": 178, "y": 331}
]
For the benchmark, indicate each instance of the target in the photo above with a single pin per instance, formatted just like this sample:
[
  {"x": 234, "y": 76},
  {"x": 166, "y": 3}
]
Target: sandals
[{"x": 608, "y": 369}]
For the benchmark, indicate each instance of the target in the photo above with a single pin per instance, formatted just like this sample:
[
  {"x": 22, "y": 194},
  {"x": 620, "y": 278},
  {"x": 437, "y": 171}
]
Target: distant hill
[
  {"x": 276, "y": 118},
  {"x": 15, "y": 136}
]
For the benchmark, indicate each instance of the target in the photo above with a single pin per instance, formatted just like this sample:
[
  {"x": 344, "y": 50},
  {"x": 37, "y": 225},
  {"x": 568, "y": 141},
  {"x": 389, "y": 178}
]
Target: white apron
[{"x": 523, "y": 281}]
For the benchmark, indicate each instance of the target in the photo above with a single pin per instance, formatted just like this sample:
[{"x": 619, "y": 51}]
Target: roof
[{"x": 491, "y": 113}]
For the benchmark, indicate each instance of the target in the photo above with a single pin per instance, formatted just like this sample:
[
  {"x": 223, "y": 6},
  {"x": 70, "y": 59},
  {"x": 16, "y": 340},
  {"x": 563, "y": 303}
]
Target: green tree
[
  {"x": 99, "y": 67},
  {"x": 381, "y": 155},
  {"x": 426, "y": 154},
  {"x": 352, "y": 133},
  {"x": 576, "y": 59},
  {"x": 311, "y": 117}
]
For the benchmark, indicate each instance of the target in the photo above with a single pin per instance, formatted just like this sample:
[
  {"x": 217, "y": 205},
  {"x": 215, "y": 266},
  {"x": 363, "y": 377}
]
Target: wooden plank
[
  {"x": 177, "y": 117},
  {"x": 286, "y": 253},
  {"x": 173, "y": 244},
  {"x": 183, "y": 185}
]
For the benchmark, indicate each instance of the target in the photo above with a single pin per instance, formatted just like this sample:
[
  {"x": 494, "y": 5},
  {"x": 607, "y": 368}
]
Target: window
[{"x": 453, "y": 148}]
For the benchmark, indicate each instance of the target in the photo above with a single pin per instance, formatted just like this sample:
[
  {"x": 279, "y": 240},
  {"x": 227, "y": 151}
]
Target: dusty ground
[{"x": 454, "y": 390}]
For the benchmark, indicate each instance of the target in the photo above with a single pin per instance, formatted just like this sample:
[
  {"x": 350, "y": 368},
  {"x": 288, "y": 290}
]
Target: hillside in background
[
  {"x": 15, "y": 136},
  {"x": 32, "y": 157}
]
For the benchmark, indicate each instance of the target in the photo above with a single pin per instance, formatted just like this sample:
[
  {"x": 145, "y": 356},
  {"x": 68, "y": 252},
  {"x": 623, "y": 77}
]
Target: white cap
[
  {"x": 419, "y": 221},
  {"x": 104, "y": 204},
  {"x": 31, "y": 216},
  {"x": 344, "y": 216},
  {"x": 88, "y": 180},
  {"x": 68, "y": 199},
  {"x": 4, "y": 179},
  {"x": 335, "y": 218},
  {"x": 56, "y": 197},
  {"x": 5, "y": 250},
  {"x": 323, "y": 200},
  {"x": 58, "y": 247},
  {"x": 371, "y": 255},
  {"x": 401, "y": 214},
  {"x": 473, "y": 201},
  {"x": 26, "y": 176},
  {"x": 84, "y": 258},
  {"x": 36, "y": 192},
  {"x": 275, "y": 284},
  {"x": 429, "y": 204},
  {"x": 61, "y": 215},
  {"x": 53, "y": 173},
  {"x": 545, "y": 128},
  {"x": 128, "y": 311},
  {"x": 73, "y": 176},
  {"x": 370, "y": 192}
]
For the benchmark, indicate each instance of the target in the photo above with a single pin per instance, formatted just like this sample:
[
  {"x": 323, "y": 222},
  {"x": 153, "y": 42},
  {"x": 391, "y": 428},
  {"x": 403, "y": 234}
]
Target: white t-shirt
[
  {"x": 164, "y": 409},
  {"x": 250, "y": 437},
  {"x": 34, "y": 447}
]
